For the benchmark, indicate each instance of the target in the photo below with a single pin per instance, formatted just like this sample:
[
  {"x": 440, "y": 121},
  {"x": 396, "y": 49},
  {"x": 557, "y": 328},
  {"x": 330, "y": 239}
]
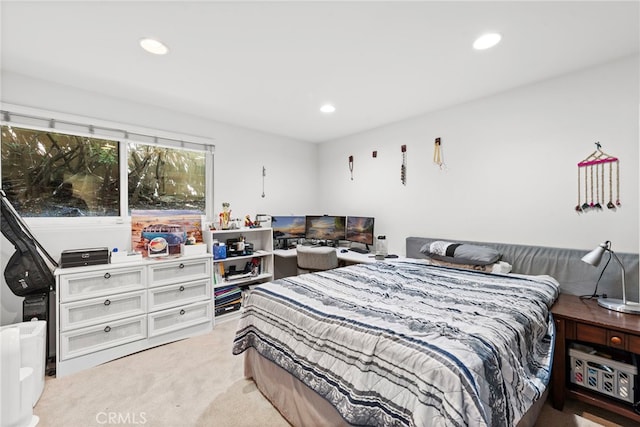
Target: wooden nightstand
[{"x": 586, "y": 322}]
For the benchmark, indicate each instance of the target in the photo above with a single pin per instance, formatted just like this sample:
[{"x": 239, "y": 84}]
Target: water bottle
[{"x": 381, "y": 246}]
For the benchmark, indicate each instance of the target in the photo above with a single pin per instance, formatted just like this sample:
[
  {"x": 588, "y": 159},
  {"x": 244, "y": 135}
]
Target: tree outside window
[{"x": 52, "y": 174}]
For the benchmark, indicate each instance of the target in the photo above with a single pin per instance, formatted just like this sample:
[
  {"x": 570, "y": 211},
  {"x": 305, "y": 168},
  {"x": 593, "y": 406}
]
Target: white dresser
[{"x": 108, "y": 311}]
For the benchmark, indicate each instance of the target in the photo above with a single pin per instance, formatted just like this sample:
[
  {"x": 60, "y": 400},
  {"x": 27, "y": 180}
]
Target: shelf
[
  {"x": 604, "y": 402},
  {"x": 234, "y": 315},
  {"x": 262, "y": 240},
  {"x": 241, "y": 230},
  {"x": 244, "y": 281},
  {"x": 259, "y": 253}
]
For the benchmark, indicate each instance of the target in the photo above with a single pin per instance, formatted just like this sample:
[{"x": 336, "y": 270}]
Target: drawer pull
[
  {"x": 181, "y": 288},
  {"x": 107, "y": 302},
  {"x": 107, "y": 329},
  {"x": 616, "y": 340},
  {"x": 107, "y": 275},
  {"x": 181, "y": 265},
  {"x": 182, "y": 312}
]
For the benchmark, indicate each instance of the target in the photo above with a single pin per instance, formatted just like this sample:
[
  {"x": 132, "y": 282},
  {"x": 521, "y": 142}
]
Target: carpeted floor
[{"x": 198, "y": 382}]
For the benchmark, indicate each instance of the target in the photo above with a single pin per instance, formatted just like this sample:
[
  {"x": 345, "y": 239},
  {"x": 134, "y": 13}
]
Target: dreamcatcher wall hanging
[{"x": 598, "y": 173}]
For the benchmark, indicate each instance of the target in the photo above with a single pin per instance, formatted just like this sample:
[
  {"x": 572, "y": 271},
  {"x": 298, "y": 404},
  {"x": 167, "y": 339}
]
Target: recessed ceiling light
[
  {"x": 486, "y": 41},
  {"x": 154, "y": 46},
  {"x": 327, "y": 108}
]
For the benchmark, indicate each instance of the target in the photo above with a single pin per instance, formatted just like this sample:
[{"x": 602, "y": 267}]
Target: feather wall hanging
[
  {"x": 403, "y": 167},
  {"x": 599, "y": 172}
]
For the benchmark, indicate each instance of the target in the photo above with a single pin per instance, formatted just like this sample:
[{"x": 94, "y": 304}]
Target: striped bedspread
[{"x": 406, "y": 343}]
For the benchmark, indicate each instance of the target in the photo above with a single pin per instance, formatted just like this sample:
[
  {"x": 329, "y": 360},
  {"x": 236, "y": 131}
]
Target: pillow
[
  {"x": 497, "y": 267},
  {"x": 460, "y": 253}
]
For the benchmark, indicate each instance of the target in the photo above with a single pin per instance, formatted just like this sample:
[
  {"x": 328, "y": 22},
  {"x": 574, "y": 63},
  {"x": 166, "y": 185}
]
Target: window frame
[{"x": 28, "y": 118}]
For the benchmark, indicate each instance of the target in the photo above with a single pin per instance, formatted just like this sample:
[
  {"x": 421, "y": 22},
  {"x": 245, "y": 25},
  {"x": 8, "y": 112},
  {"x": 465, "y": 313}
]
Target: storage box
[
  {"x": 610, "y": 377},
  {"x": 197, "y": 249},
  {"x": 33, "y": 346},
  {"x": 82, "y": 257}
]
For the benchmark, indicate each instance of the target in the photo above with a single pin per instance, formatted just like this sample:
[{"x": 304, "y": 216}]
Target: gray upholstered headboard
[{"x": 565, "y": 265}]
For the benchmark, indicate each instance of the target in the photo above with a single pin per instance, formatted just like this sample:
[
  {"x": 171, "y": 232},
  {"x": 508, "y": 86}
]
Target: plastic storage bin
[
  {"x": 606, "y": 376},
  {"x": 32, "y": 352}
]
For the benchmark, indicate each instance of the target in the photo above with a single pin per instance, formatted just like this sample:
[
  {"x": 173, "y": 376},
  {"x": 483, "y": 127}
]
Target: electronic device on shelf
[
  {"x": 359, "y": 229},
  {"x": 287, "y": 228},
  {"x": 325, "y": 228}
]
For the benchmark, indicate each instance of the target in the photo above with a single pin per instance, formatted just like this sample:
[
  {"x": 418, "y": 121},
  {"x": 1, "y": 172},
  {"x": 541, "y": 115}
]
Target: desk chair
[{"x": 316, "y": 259}]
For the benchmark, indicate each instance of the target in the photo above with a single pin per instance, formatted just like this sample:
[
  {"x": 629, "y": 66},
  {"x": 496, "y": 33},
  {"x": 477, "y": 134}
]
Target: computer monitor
[
  {"x": 288, "y": 227},
  {"x": 360, "y": 229},
  {"x": 325, "y": 227}
]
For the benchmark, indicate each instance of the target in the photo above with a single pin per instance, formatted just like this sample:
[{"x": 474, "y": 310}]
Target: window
[
  {"x": 166, "y": 178},
  {"x": 51, "y": 174}
]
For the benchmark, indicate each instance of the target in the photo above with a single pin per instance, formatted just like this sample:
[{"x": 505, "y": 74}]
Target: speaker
[{"x": 35, "y": 307}]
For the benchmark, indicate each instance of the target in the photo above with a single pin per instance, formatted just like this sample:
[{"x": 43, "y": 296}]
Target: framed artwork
[{"x": 157, "y": 233}]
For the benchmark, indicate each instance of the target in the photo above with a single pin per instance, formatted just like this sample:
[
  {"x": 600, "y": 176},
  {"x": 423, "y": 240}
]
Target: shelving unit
[{"x": 229, "y": 291}]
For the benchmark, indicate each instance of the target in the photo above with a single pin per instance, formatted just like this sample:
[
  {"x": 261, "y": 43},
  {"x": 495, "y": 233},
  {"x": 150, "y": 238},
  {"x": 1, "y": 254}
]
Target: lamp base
[{"x": 619, "y": 305}]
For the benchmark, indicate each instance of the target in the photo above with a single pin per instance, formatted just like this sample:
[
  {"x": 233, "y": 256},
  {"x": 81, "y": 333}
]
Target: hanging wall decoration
[
  {"x": 437, "y": 153},
  {"x": 598, "y": 172},
  {"x": 264, "y": 173},
  {"x": 351, "y": 166},
  {"x": 403, "y": 167}
]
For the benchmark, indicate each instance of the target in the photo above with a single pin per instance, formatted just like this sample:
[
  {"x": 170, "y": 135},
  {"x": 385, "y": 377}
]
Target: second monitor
[{"x": 325, "y": 227}]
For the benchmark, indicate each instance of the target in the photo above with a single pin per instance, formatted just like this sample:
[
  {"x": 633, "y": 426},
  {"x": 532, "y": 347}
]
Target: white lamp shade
[{"x": 594, "y": 257}]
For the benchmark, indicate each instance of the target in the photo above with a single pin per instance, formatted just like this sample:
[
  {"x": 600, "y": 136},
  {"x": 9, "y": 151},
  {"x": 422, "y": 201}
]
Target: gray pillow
[{"x": 460, "y": 253}]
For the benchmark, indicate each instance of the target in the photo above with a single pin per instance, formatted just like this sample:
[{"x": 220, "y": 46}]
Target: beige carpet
[{"x": 198, "y": 382}]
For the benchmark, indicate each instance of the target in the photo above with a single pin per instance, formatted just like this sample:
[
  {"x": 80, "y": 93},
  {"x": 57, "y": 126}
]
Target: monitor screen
[
  {"x": 288, "y": 227},
  {"x": 325, "y": 227},
  {"x": 360, "y": 229}
]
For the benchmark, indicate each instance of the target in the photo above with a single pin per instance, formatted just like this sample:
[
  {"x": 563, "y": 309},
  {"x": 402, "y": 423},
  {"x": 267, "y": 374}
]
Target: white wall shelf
[{"x": 262, "y": 240}]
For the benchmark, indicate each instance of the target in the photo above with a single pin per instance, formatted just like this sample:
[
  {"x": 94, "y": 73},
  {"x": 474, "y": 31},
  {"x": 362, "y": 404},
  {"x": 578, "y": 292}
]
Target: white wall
[
  {"x": 290, "y": 182},
  {"x": 511, "y": 166}
]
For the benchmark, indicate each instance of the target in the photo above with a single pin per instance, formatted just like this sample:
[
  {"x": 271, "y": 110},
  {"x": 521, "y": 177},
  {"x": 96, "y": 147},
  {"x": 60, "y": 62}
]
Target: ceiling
[{"x": 269, "y": 65}]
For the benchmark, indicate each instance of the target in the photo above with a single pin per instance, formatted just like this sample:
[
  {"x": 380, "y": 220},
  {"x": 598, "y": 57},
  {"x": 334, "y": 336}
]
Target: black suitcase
[{"x": 83, "y": 257}]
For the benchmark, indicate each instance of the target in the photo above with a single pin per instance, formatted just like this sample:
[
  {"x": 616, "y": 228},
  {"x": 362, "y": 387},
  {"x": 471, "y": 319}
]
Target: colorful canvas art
[{"x": 161, "y": 232}]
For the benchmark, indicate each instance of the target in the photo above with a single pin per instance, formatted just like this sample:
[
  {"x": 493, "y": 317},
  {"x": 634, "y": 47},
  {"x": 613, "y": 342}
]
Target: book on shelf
[
  {"x": 228, "y": 299},
  {"x": 228, "y": 308}
]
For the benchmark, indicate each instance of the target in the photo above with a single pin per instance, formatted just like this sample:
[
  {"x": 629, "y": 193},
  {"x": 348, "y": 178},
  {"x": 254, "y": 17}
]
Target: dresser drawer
[
  {"x": 179, "y": 271},
  {"x": 78, "y": 314},
  {"x": 179, "y": 294},
  {"x": 174, "y": 319},
  {"x": 102, "y": 282},
  {"x": 100, "y": 337}
]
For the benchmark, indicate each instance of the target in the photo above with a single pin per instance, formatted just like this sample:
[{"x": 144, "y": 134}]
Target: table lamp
[{"x": 593, "y": 258}]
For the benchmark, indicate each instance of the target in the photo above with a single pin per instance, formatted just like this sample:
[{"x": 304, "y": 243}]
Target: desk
[{"x": 285, "y": 263}]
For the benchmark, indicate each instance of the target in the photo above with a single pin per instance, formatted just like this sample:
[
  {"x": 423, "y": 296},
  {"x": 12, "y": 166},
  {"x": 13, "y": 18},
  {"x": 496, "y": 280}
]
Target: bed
[{"x": 401, "y": 343}]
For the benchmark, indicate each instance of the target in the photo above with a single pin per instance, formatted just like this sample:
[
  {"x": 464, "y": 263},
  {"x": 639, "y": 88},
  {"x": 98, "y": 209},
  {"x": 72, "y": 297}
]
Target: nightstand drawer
[
  {"x": 603, "y": 336},
  {"x": 592, "y": 334},
  {"x": 633, "y": 343}
]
